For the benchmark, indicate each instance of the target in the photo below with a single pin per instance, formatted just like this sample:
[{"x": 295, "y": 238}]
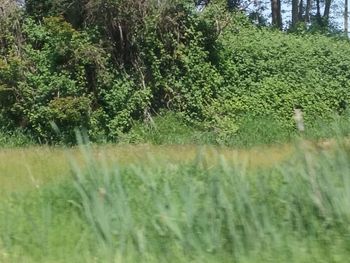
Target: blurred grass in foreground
[{"x": 177, "y": 204}]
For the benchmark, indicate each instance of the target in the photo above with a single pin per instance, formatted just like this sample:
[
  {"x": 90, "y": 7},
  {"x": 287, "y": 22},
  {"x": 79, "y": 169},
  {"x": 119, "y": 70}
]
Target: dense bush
[
  {"x": 83, "y": 70},
  {"x": 270, "y": 73},
  {"x": 62, "y": 77}
]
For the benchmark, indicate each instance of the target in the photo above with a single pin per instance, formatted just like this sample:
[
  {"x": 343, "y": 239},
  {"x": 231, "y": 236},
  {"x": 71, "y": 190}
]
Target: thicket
[{"x": 101, "y": 66}]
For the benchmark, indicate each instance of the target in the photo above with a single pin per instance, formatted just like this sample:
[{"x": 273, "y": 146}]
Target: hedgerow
[{"x": 214, "y": 69}]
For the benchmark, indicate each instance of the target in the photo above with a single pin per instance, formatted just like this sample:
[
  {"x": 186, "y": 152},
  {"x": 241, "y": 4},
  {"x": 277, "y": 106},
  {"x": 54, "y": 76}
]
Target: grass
[
  {"x": 171, "y": 128},
  {"x": 26, "y": 169},
  {"x": 176, "y": 203},
  {"x": 15, "y": 138}
]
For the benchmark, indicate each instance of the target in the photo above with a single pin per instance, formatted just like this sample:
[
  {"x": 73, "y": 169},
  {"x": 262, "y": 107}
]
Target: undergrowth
[{"x": 172, "y": 128}]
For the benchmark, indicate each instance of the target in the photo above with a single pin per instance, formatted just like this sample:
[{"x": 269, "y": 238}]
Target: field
[
  {"x": 178, "y": 131},
  {"x": 175, "y": 203}
]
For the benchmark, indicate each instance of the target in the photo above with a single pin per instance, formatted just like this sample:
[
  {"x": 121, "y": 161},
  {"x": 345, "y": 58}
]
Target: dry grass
[{"x": 30, "y": 168}]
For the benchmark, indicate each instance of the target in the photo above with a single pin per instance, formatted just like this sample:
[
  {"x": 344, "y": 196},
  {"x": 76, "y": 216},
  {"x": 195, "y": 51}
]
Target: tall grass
[
  {"x": 205, "y": 210},
  {"x": 171, "y": 128},
  {"x": 297, "y": 211},
  {"x": 15, "y": 138}
]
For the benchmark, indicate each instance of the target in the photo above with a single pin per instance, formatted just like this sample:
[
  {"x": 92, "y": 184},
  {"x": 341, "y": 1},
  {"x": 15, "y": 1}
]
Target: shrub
[
  {"x": 268, "y": 73},
  {"x": 214, "y": 68}
]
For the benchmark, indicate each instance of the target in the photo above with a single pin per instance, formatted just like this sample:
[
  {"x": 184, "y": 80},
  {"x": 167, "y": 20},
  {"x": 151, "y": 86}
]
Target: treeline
[{"x": 104, "y": 65}]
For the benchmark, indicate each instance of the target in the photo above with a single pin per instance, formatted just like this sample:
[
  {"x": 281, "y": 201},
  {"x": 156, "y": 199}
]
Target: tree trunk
[
  {"x": 318, "y": 13},
  {"x": 307, "y": 11},
  {"x": 295, "y": 12},
  {"x": 301, "y": 10},
  {"x": 318, "y": 9},
  {"x": 327, "y": 8},
  {"x": 346, "y": 18},
  {"x": 276, "y": 13}
]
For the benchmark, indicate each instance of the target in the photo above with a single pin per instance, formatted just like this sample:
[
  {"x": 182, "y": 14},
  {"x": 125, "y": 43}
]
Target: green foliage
[
  {"x": 6, "y": 96},
  {"x": 268, "y": 73},
  {"x": 66, "y": 79},
  {"x": 213, "y": 68},
  {"x": 10, "y": 28},
  {"x": 57, "y": 61},
  {"x": 262, "y": 130},
  {"x": 17, "y": 138},
  {"x": 168, "y": 128},
  {"x": 42, "y": 8}
]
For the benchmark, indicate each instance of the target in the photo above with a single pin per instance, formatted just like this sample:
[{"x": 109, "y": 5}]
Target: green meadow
[{"x": 176, "y": 203}]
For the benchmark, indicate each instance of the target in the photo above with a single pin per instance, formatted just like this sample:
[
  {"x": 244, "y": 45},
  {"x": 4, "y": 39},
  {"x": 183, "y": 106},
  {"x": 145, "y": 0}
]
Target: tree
[
  {"x": 276, "y": 13},
  {"x": 346, "y": 18},
  {"x": 295, "y": 12},
  {"x": 10, "y": 32},
  {"x": 327, "y": 8},
  {"x": 307, "y": 11}
]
